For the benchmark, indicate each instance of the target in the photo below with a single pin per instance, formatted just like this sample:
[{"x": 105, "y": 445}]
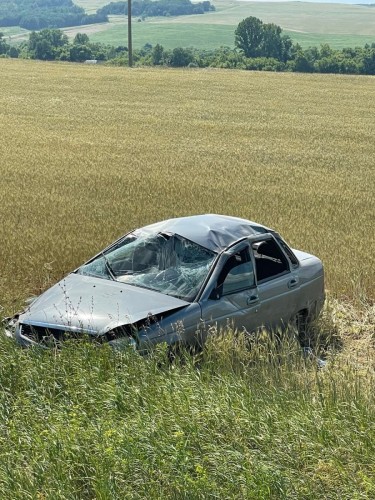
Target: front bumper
[
  {"x": 23, "y": 335},
  {"x": 12, "y": 331}
]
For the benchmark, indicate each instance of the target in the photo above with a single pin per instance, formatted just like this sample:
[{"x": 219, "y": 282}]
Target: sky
[{"x": 352, "y": 2}]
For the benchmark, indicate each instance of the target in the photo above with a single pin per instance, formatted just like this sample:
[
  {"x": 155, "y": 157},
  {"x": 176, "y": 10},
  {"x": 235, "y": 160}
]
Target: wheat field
[{"x": 88, "y": 153}]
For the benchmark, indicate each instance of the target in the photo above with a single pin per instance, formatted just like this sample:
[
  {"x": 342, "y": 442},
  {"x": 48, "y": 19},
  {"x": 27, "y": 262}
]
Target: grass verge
[{"x": 87, "y": 422}]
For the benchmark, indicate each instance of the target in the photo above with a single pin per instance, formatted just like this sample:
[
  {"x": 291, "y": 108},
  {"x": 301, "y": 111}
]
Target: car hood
[{"x": 95, "y": 305}]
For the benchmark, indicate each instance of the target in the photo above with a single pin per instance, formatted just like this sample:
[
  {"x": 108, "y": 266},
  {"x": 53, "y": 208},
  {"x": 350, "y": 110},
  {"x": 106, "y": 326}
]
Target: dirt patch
[{"x": 88, "y": 29}]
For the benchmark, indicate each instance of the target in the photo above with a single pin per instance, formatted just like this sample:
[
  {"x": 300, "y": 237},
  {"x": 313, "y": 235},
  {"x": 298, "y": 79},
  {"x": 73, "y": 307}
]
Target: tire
[{"x": 299, "y": 325}]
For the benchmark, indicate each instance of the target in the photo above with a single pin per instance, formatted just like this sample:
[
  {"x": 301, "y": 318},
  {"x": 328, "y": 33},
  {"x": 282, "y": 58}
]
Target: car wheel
[{"x": 299, "y": 325}]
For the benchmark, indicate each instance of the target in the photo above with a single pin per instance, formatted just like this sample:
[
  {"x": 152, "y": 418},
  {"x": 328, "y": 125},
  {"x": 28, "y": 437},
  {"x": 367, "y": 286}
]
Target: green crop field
[
  {"x": 307, "y": 23},
  {"x": 89, "y": 152}
]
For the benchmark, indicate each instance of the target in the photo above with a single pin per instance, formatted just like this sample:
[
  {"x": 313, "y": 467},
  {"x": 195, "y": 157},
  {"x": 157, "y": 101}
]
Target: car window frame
[
  {"x": 281, "y": 242},
  {"x": 209, "y": 287},
  {"x": 239, "y": 290},
  {"x": 270, "y": 237}
]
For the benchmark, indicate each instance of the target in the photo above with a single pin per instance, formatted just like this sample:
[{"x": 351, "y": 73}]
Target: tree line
[
  {"x": 258, "y": 46},
  {"x": 38, "y": 14},
  {"x": 148, "y": 8},
  {"x": 53, "y": 45}
]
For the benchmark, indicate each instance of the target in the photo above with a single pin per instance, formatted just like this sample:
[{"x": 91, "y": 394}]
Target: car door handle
[
  {"x": 292, "y": 283},
  {"x": 252, "y": 299}
]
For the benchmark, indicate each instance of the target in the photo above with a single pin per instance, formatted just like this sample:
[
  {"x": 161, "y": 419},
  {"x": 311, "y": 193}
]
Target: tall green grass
[{"x": 248, "y": 418}]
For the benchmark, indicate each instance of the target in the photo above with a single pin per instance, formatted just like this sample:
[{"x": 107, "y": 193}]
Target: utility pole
[{"x": 130, "y": 44}]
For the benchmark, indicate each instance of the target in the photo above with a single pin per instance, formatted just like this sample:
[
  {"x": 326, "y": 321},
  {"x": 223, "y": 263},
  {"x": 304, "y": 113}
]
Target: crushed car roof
[{"x": 215, "y": 232}]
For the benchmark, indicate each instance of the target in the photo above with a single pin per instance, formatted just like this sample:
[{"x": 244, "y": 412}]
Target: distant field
[
  {"x": 91, "y": 6},
  {"x": 168, "y": 34},
  {"x": 307, "y": 23},
  {"x": 300, "y": 16},
  {"x": 335, "y": 41},
  {"x": 14, "y": 32},
  {"x": 89, "y": 152}
]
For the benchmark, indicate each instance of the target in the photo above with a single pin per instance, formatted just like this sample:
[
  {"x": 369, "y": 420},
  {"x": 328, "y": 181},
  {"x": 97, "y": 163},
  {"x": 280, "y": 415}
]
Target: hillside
[
  {"x": 32, "y": 15},
  {"x": 307, "y": 23}
]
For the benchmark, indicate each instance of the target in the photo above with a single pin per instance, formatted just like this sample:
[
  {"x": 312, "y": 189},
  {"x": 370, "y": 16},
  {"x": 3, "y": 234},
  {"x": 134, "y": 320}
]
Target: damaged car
[{"x": 173, "y": 280}]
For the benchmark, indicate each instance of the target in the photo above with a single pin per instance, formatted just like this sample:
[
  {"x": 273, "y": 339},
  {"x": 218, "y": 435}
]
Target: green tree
[
  {"x": 256, "y": 39},
  {"x": 81, "y": 39},
  {"x": 38, "y": 14},
  {"x": 157, "y": 54},
  {"x": 180, "y": 57},
  {"x": 4, "y": 47},
  {"x": 13, "y": 52},
  {"x": 329, "y": 64},
  {"x": 80, "y": 53},
  {"x": 249, "y": 36},
  {"x": 44, "y": 50},
  {"x": 272, "y": 43},
  {"x": 302, "y": 62},
  {"x": 46, "y": 44},
  {"x": 325, "y": 51},
  {"x": 368, "y": 64}
]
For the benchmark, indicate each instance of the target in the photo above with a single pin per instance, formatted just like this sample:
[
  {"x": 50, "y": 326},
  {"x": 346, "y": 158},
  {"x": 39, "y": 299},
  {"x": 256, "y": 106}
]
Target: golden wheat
[{"x": 88, "y": 153}]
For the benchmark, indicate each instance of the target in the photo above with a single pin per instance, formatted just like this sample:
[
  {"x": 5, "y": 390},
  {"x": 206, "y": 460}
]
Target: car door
[
  {"x": 277, "y": 283},
  {"x": 233, "y": 299}
]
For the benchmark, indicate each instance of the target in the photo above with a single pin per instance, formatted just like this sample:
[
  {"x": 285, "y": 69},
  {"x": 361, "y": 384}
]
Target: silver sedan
[{"x": 171, "y": 281}]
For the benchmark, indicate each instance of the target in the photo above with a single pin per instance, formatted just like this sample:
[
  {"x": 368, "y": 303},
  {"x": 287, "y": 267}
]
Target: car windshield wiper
[{"x": 108, "y": 267}]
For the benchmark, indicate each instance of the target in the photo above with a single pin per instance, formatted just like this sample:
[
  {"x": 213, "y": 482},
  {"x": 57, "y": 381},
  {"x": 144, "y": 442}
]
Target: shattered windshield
[{"x": 166, "y": 263}]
